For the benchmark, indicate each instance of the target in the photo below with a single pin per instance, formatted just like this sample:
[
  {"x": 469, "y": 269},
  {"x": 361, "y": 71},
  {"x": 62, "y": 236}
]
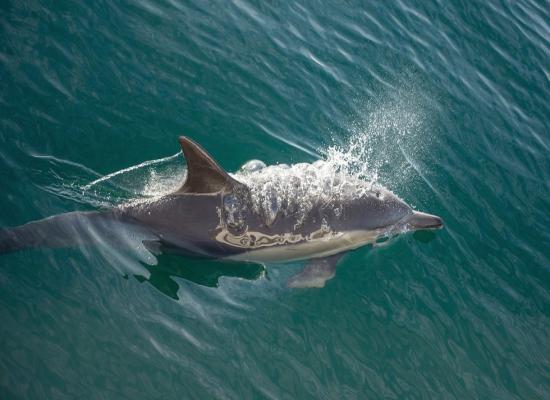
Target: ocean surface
[{"x": 447, "y": 104}]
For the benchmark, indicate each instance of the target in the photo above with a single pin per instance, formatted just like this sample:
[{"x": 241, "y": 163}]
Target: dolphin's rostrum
[{"x": 215, "y": 215}]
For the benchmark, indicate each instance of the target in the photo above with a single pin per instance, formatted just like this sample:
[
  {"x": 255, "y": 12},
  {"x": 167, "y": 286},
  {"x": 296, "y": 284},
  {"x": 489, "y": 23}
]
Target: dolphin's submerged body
[{"x": 268, "y": 214}]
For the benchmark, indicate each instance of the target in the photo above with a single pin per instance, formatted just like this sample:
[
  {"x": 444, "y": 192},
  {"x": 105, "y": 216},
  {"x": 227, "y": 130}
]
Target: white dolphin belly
[{"x": 310, "y": 248}]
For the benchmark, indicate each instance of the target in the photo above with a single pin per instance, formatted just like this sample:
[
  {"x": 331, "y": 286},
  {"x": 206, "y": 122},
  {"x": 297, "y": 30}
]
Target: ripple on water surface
[{"x": 445, "y": 106}]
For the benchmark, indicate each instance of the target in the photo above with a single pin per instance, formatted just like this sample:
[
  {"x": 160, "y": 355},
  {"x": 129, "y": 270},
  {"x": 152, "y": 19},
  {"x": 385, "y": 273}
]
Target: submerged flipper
[
  {"x": 204, "y": 175},
  {"x": 316, "y": 273}
]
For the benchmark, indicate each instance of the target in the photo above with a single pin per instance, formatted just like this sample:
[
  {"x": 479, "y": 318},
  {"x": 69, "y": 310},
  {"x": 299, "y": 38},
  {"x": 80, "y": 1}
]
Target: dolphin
[{"x": 259, "y": 217}]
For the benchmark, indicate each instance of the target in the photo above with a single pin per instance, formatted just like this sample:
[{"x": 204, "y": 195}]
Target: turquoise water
[{"x": 449, "y": 102}]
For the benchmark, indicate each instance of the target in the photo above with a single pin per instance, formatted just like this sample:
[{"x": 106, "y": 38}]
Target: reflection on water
[
  {"x": 200, "y": 271},
  {"x": 424, "y": 236}
]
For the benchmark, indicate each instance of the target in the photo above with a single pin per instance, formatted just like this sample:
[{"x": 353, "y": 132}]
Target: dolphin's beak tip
[{"x": 420, "y": 220}]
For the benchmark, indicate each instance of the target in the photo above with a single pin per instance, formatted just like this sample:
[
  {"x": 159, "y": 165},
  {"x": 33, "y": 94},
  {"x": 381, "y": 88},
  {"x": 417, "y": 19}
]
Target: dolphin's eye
[{"x": 377, "y": 193}]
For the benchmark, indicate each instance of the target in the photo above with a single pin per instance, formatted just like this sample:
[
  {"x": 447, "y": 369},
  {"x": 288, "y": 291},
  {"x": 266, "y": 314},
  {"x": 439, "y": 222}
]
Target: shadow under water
[
  {"x": 424, "y": 236},
  {"x": 200, "y": 271}
]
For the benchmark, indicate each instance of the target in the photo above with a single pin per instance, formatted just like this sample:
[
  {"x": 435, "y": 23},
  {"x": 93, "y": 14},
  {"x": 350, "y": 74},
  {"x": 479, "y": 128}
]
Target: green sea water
[{"x": 447, "y": 104}]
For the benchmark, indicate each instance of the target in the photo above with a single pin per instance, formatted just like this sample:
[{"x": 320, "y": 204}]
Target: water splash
[
  {"x": 76, "y": 182},
  {"x": 142, "y": 182},
  {"x": 296, "y": 189},
  {"x": 384, "y": 137},
  {"x": 130, "y": 169},
  {"x": 379, "y": 152}
]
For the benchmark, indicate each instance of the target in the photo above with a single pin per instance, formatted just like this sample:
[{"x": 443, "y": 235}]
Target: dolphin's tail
[
  {"x": 64, "y": 230},
  {"x": 9, "y": 241}
]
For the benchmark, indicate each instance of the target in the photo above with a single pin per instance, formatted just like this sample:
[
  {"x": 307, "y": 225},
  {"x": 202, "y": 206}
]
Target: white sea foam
[{"x": 296, "y": 189}]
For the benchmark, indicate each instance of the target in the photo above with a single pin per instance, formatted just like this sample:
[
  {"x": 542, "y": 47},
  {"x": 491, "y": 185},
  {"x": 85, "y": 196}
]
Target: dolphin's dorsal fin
[{"x": 204, "y": 175}]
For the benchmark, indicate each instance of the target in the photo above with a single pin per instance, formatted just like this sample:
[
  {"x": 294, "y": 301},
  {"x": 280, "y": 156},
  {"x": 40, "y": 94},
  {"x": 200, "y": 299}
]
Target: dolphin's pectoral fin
[{"x": 316, "y": 273}]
